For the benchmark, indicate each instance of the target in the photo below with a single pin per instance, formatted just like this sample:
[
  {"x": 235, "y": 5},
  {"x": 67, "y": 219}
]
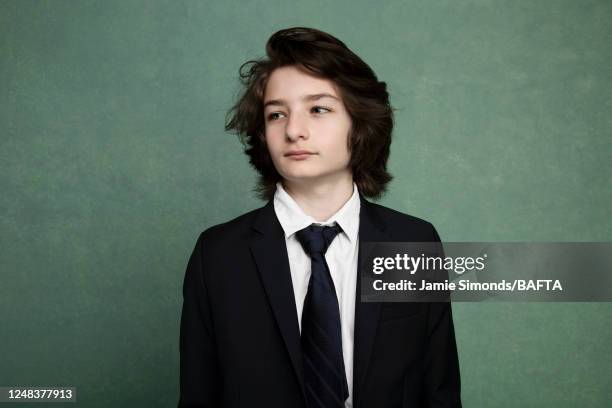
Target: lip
[{"x": 298, "y": 154}]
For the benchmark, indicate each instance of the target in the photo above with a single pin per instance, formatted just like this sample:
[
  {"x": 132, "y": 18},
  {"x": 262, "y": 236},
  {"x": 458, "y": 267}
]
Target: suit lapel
[
  {"x": 366, "y": 314},
  {"x": 270, "y": 253}
]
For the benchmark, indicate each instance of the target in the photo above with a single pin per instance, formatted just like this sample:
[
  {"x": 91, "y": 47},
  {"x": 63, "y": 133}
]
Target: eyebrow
[{"x": 313, "y": 97}]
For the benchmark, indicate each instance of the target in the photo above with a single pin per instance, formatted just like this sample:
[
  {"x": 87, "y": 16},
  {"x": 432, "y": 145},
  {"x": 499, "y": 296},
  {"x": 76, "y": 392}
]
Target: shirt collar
[{"x": 292, "y": 218}]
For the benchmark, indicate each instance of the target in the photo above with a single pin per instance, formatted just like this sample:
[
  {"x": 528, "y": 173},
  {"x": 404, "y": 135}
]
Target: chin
[
  {"x": 300, "y": 176},
  {"x": 307, "y": 174}
]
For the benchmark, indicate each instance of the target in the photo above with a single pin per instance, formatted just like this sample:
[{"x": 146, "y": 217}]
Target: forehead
[{"x": 291, "y": 83}]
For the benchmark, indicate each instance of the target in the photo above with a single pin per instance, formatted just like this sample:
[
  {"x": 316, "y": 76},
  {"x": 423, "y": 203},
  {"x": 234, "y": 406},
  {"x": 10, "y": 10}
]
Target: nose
[{"x": 296, "y": 128}]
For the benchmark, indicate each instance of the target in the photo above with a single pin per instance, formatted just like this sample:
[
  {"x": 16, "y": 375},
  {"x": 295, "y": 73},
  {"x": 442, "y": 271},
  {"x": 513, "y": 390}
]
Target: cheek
[
  {"x": 339, "y": 142},
  {"x": 272, "y": 142},
  {"x": 338, "y": 126}
]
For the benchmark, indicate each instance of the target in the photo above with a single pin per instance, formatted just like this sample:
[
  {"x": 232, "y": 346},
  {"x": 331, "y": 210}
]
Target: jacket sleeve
[
  {"x": 200, "y": 382},
  {"x": 442, "y": 380}
]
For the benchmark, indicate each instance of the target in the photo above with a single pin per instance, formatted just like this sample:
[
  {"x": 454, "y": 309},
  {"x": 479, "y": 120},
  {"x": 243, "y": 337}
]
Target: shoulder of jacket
[
  {"x": 229, "y": 230},
  {"x": 391, "y": 215},
  {"x": 397, "y": 221}
]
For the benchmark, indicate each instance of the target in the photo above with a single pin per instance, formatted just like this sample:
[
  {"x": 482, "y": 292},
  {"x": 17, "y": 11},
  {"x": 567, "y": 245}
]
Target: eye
[
  {"x": 272, "y": 116},
  {"x": 318, "y": 108}
]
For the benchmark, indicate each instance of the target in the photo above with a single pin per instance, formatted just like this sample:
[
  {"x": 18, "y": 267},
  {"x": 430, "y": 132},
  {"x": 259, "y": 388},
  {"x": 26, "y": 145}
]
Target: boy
[{"x": 271, "y": 314}]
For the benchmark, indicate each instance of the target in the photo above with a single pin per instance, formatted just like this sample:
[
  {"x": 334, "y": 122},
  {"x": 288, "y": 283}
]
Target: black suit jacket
[{"x": 240, "y": 340}]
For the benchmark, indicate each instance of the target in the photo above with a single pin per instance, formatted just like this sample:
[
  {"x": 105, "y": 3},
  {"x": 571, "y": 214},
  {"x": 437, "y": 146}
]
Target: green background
[{"x": 114, "y": 159}]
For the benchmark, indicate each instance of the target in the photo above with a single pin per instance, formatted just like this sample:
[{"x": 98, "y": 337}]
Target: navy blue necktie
[{"x": 321, "y": 337}]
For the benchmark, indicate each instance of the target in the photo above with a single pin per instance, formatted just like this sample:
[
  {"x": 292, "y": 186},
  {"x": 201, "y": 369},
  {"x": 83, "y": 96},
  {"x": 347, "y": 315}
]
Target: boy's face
[{"x": 306, "y": 132}]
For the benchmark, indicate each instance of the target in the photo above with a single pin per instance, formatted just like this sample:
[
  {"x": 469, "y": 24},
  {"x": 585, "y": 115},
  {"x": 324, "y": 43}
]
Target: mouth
[{"x": 299, "y": 154}]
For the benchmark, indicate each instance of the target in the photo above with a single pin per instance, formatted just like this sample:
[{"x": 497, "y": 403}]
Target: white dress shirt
[{"x": 341, "y": 257}]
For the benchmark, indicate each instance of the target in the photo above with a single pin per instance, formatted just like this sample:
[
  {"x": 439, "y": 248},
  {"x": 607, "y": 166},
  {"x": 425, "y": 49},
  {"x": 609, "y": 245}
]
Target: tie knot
[{"x": 315, "y": 239}]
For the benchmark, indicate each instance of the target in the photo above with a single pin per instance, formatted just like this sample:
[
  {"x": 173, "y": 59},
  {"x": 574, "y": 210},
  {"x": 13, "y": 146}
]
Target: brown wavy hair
[{"x": 364, "y": 96}]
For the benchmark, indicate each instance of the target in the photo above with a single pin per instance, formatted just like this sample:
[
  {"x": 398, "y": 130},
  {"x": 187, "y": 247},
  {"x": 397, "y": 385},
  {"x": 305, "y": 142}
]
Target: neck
[{"x": 320, "y": 199}]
